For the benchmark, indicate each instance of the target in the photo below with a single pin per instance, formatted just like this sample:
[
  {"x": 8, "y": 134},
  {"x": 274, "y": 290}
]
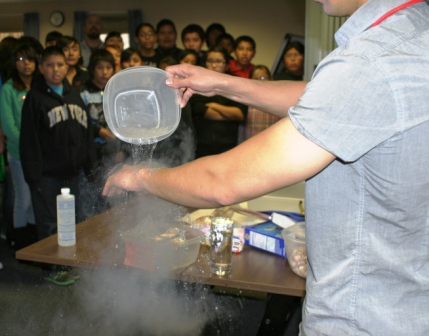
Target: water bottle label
[{"x": 66, "y": 220}]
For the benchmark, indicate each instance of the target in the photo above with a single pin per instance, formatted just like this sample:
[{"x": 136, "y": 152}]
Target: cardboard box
[{"x": 266, "y": 236}]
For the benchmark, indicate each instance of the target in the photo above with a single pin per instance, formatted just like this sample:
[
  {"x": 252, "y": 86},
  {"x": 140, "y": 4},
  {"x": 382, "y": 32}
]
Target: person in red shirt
[{"x": 244, "y": 51}]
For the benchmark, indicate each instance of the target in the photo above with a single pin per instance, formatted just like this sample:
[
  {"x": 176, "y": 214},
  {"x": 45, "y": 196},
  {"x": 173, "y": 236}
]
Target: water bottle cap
[{"x": 65, "y": 191}]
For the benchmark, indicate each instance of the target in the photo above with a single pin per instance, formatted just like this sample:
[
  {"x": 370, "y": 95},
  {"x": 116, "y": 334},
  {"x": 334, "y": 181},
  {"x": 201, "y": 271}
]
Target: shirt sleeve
[
  {"x": 348, "y": 108},
  {"x": 10, "y": 129}
]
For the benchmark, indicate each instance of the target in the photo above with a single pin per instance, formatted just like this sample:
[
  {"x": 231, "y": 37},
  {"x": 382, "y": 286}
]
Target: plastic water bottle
[{"x": 66, "y": 218}]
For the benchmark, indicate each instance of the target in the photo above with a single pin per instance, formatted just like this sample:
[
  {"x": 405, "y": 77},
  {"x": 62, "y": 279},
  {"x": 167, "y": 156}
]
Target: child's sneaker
[
  {"x": 61, "y": 278},
  {"x": 74, "y": 274}
]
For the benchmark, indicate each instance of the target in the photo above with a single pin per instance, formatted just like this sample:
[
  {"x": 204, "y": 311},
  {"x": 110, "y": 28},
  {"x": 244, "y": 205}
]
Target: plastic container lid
[{"x": 139, "y": 107}]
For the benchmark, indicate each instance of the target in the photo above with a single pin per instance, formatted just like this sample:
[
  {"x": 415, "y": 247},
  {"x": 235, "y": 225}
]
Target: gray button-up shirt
[{"x": 367, "y": 213}]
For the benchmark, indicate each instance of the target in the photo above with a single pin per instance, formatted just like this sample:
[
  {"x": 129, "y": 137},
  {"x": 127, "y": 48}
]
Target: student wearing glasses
[
  {"x": 216, "y": 119},
  {"x": 146, "y": 38},
  {"x": 12, "y": 97}
]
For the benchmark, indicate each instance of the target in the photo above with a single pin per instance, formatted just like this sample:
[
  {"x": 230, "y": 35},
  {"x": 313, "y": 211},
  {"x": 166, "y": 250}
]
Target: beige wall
[{"x": 266, "y": 21}]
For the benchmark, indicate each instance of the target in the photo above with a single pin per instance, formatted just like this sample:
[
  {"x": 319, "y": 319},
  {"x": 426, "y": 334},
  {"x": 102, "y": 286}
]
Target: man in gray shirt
[
  {"x": 358, "y": 134},
  {"x": 92, "y": 42}
]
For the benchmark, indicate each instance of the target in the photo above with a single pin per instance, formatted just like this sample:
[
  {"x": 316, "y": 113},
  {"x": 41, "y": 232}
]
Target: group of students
[{"x": 53, "y": 125}]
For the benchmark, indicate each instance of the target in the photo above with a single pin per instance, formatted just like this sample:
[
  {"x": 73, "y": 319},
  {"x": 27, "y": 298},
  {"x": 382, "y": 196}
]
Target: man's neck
[
  {"x": 241, "y": 66},
  {"x": 98, "y": 85},
  {"x": 92, "y": 43},
  {"x": 147, "y": 52},
  {"x": 166, "y": 49},
  {"x": 70, "y": 74}
]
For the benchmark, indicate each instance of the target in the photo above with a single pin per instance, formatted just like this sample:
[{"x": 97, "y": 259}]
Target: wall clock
[{"x": 56, "y": 18}]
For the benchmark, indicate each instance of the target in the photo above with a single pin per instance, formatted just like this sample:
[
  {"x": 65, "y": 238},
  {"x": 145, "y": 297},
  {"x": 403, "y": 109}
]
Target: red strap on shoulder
[{"x": 394, "y": 10}]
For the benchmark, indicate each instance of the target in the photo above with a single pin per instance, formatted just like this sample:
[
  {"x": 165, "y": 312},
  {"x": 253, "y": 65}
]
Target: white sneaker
[{"x": 1, "y": 266}]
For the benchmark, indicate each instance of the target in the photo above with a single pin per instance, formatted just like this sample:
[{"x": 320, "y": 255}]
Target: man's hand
[
  {"x": 125, "y": 179},
  {"x": 190, "y": 79},
  {"x": 274, "y": 97}
]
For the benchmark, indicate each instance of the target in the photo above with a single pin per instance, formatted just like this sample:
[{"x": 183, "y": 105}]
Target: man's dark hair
[
  {"x": 51, "y": 51},
  {"x": 112, "y": 34},
  {"x": 168, "y": 60},
  {"x": 221, "y": 50},
  {"x": 215, "y": 26},
  {"x": 245, "y": 38},
  {"x": 126, "y": 54},
  {"x": 186, "y": 52},
  {"x": 295, "y": 44},
  {"x": 193, "y": 28},
  {"x": 7, "y": 46},
  {"x": 65, "y": 41},
  {"x": 28, "y": 52},
  {"x": 98, "y": 56},
  {"x": 224, "y": 36},
  {"x": 33, "y": 42},
  {"x": 141, "y": 25},
  {"x": 53, "y": 36},
  {"x": 165, "y": 22}
]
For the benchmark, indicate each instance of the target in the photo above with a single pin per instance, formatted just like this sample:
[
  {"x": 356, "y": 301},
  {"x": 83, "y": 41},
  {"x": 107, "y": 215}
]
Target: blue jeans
[{"x": 23, "y": 207}]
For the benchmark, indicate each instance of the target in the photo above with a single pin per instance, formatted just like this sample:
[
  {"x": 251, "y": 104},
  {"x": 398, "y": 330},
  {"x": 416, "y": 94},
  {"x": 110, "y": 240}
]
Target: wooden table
[{"x": 99, "y": 243}]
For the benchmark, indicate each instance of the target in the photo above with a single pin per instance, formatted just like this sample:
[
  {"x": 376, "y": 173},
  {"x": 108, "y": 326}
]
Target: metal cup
[{"x": 221, "y": 232}]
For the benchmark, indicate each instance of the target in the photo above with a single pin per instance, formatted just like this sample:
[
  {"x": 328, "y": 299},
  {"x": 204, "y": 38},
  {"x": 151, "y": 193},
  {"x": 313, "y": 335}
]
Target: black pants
[{"x": 45, "y": 202}]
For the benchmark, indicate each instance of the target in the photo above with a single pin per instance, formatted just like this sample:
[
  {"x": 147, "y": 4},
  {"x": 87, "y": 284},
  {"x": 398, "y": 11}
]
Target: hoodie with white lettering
[{"x": 56, "y": 138}]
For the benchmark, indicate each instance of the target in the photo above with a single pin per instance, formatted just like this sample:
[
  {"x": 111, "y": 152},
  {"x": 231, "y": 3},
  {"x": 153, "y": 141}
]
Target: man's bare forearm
[{"x": 274, "y": 97}]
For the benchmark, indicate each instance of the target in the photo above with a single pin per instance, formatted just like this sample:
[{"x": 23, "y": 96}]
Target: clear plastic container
[
  {"x": 139, "y": 107},
  {"x": 162, "y": 252},
  {"x": 294, "y": 238}
]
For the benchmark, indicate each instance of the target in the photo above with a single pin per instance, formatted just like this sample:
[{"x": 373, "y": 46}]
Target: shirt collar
[{"x": 363, "y": 18}]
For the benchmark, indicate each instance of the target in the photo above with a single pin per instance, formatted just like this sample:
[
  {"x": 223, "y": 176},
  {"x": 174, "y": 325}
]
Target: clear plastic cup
[
  {"x": 139, "y": 107},
  {"x": 221, "y": 232}
]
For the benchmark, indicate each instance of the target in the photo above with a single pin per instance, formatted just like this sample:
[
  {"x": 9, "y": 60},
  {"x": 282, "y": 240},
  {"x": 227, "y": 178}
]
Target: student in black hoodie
[{"x": 56, "y": 140}]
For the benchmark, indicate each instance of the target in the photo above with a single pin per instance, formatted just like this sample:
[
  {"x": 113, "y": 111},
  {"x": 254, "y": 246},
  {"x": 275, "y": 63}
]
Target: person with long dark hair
[
  {"x": 7, "y": 46},
  {"x": 293, "y": 62},
  {"x": 12, "y": 97}
]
